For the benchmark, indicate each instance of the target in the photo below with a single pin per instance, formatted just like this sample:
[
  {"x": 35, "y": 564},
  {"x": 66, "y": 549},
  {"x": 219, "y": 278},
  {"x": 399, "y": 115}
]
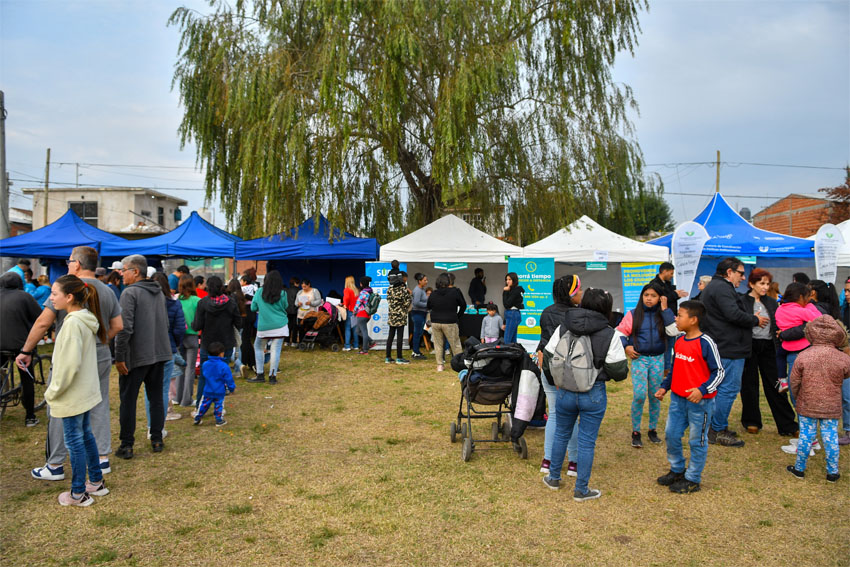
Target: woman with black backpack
[{"x": 608, "y": 357}]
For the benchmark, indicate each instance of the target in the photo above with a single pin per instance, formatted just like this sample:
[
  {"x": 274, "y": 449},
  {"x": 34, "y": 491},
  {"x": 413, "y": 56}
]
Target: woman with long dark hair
[
  {"x": 591, "y": 320},
  {"x": 188, "y": 298},
  {"x": 762, "y": 363},
  {"x": 645, "y": 329},
  {"x": 234, "y": 290},
  {"x": 512, "y": 302},
  {"x": 566, "y": 293},
  {"x": 176, "y": 332},
  {"x": 270, "y": 305}
]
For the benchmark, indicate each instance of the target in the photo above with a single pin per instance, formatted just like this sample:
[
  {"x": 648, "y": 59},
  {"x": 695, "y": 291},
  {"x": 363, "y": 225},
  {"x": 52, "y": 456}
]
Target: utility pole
[
  {"x": 717, "y": 182},
  {"x": 5, "y": 229},
  {"x": 78, "y": 173},
  {"x": 46, "y": 185}
]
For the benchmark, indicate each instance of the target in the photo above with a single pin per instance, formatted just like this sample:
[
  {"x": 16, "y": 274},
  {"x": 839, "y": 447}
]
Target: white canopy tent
[
  {"x": 585, "y": 241},
  {"x": 583, "y": 238},
  {"x": 448, "y": 239}
]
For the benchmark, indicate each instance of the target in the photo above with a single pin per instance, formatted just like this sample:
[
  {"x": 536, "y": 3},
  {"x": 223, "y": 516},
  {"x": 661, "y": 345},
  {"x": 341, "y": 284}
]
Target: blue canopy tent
[
  {"x": 312, "y": 251},
  {"x": 56, "y": 240},
  {"x": 194, "y": 238},
  {"x": 732, "y": 235}
]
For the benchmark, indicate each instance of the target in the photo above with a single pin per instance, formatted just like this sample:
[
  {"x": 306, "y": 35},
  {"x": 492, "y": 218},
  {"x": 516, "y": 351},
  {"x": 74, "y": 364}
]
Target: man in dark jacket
[
  {"x": 217, "y": 318},
  {"x": 478, "y": 289},
  {"x": 18, "y": 313},
  {"x": 141, "y": 350},
  {"x": 730, "y": 324}
]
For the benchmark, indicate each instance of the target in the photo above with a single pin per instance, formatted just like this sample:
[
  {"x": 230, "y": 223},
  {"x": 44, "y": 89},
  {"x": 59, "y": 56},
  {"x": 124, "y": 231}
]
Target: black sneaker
[
  {"x": 653, "y": 436},
  {"x": 402, "y": 361},
  {"x": 684, "y": 486},
  {"x": 636, "y": 442},
  {"x": 553, "y": 484},
  {"x": 157, "y": 446},
  {"x": 272, "y": 379},
  {"x": 590, "y": 494},
  {"x": 712, "y": 436},
  {"x": 793, "y": 470},
  {"x": 727, "y": 438},
  {"x": 670, "y": 478},
  {"x": 125, "y": 452},
  {"x": 31, "y": 421},
  {"x": 257, "y": 379},
  {"x": 418, "y": 356},
  {"x": 833, "y": 477},
  {"x": 388, "y": 360}
]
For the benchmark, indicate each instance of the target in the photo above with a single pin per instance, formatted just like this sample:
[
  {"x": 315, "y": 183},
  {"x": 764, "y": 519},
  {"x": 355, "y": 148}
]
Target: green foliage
[{"x": 384, "y": 114}]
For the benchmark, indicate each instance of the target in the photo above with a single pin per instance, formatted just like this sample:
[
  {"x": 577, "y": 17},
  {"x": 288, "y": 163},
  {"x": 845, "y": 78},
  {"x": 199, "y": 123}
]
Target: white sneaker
[
  {"x": 41, "y": 342},
  {"x": 815, "y": 446},
  {"x": 792, "y": 450},
  {"x": 48, "y": 473},
  {"x": 164, "y": 433},
  {"x": 105, "y": 468},
  {"x": 346, "y": 349},
  {"x": 173, "y": 416}
]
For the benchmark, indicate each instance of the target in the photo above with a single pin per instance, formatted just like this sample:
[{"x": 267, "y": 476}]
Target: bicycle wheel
[
  {"x": 10, "y": 390},
  {"x": 40, "y": 371}
]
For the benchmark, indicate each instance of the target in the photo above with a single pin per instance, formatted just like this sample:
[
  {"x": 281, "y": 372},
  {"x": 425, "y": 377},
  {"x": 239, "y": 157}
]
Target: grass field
[{"x": 348, "y": 462}]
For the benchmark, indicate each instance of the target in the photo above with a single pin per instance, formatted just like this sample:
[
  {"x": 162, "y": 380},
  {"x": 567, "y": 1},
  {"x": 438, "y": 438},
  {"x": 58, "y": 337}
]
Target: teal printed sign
[
  {"x": 748, "y": 259},
  {"x": 598, "y": 266},
  {"x": 450, "y": 266},
  {"x": 536, "y": 276}
]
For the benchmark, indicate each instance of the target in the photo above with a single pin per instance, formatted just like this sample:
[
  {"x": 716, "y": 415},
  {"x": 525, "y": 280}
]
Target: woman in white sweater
[{"x": 75, "y": 387}]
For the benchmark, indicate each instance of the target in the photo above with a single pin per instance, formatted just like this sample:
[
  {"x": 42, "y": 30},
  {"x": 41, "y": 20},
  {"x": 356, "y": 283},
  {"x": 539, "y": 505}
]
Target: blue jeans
[
  {"x": 727, "y": 391},
  {"x": 511, "y": 325},
  {"x": 82, "y": 449},
  {"x": 259, "y": 348},
  {"x": 418, "y": 329},
  {"x": 590, "y": 408},
  {"x": 351, "y": 332},
  {"x": 845, "y": 404},
  {"x": 696, "y": 417},
  {"x": 551, "y": 423},
  {"x": 201, "y": 380}
]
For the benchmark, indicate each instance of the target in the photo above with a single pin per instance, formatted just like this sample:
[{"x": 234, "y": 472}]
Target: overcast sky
[{"x": 764, "y": 82}]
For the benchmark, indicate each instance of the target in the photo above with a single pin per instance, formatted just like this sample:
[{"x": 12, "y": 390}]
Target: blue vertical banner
[
  {"x": 379, "y": 328},
  {"x": 536, "y": 276}
]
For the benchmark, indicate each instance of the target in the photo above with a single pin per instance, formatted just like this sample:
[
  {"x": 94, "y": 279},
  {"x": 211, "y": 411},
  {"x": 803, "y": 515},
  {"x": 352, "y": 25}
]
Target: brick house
[{"x": 797, "y": 214}]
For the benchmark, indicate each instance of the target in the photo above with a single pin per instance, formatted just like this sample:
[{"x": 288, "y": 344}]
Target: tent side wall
[{"x": 325, "y": 275}]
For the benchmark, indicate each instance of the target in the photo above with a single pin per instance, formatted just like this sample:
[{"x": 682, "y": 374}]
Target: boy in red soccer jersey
[{"x": 696, "y": 373}]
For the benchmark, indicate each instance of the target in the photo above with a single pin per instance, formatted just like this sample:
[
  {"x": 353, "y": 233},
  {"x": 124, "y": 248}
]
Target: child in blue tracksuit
[
  {"x": 219, "y": 382},
  {"x": 645, "y": 329}
]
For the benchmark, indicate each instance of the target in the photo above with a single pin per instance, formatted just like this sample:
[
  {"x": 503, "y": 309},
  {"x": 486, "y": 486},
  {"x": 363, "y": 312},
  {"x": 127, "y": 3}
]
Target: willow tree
[{"x": 384, "y": 114}]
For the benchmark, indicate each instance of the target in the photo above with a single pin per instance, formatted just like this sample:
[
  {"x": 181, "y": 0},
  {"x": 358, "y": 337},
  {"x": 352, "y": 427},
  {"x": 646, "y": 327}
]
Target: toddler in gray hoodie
[{"x": 491, "y": 325}]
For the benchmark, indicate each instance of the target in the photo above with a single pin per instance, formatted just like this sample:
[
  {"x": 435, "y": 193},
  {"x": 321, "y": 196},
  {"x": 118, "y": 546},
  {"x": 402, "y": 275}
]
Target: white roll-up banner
[
  {"x": 688, "y": 241},
  {"x": 827, "y": 242}
]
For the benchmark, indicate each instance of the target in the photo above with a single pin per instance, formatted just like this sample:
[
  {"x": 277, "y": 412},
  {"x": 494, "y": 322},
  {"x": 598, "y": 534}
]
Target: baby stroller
[
  {"x": 500, "y": 375},
  {"x": 321, "y": 328}
]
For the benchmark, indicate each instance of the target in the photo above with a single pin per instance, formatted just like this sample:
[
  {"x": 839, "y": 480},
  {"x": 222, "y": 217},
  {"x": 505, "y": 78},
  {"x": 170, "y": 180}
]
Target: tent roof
[
  {"x": 194, "y": 238},
  {"x": 578, "y": 242},
  {"x": 732, "y": 235},
  {"x": 309, "y": 242},
  {"x": 449, "y": 239},
  {"x": 57, "y": 239}
]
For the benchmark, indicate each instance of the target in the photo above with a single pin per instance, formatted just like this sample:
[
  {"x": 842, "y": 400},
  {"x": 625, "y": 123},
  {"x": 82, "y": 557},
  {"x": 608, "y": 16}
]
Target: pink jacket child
[{"x": 790, "y": 315}]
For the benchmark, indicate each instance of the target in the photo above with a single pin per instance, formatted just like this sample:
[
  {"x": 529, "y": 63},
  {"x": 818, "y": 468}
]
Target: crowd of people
[{"x": 157, "y": 328}]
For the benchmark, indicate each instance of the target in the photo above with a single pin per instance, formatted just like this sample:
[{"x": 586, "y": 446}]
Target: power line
[
  {"x": 141, "y": 166},
  {"x": 84, "y": 185},
  {"x": 740, "y": 163}
]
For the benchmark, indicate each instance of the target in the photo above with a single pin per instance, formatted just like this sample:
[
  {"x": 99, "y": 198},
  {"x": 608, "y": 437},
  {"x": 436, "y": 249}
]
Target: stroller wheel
[
  {"x": 506, "y": 430},
  {"x": 302, "y": 346},
  {"x": 334, "y": 347},
  {"x": 494, "y": 431},
  {"x": 466, "y": 450},
  {"x": 463, "y": 431},
  {"x": 453, "y": 431}
]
